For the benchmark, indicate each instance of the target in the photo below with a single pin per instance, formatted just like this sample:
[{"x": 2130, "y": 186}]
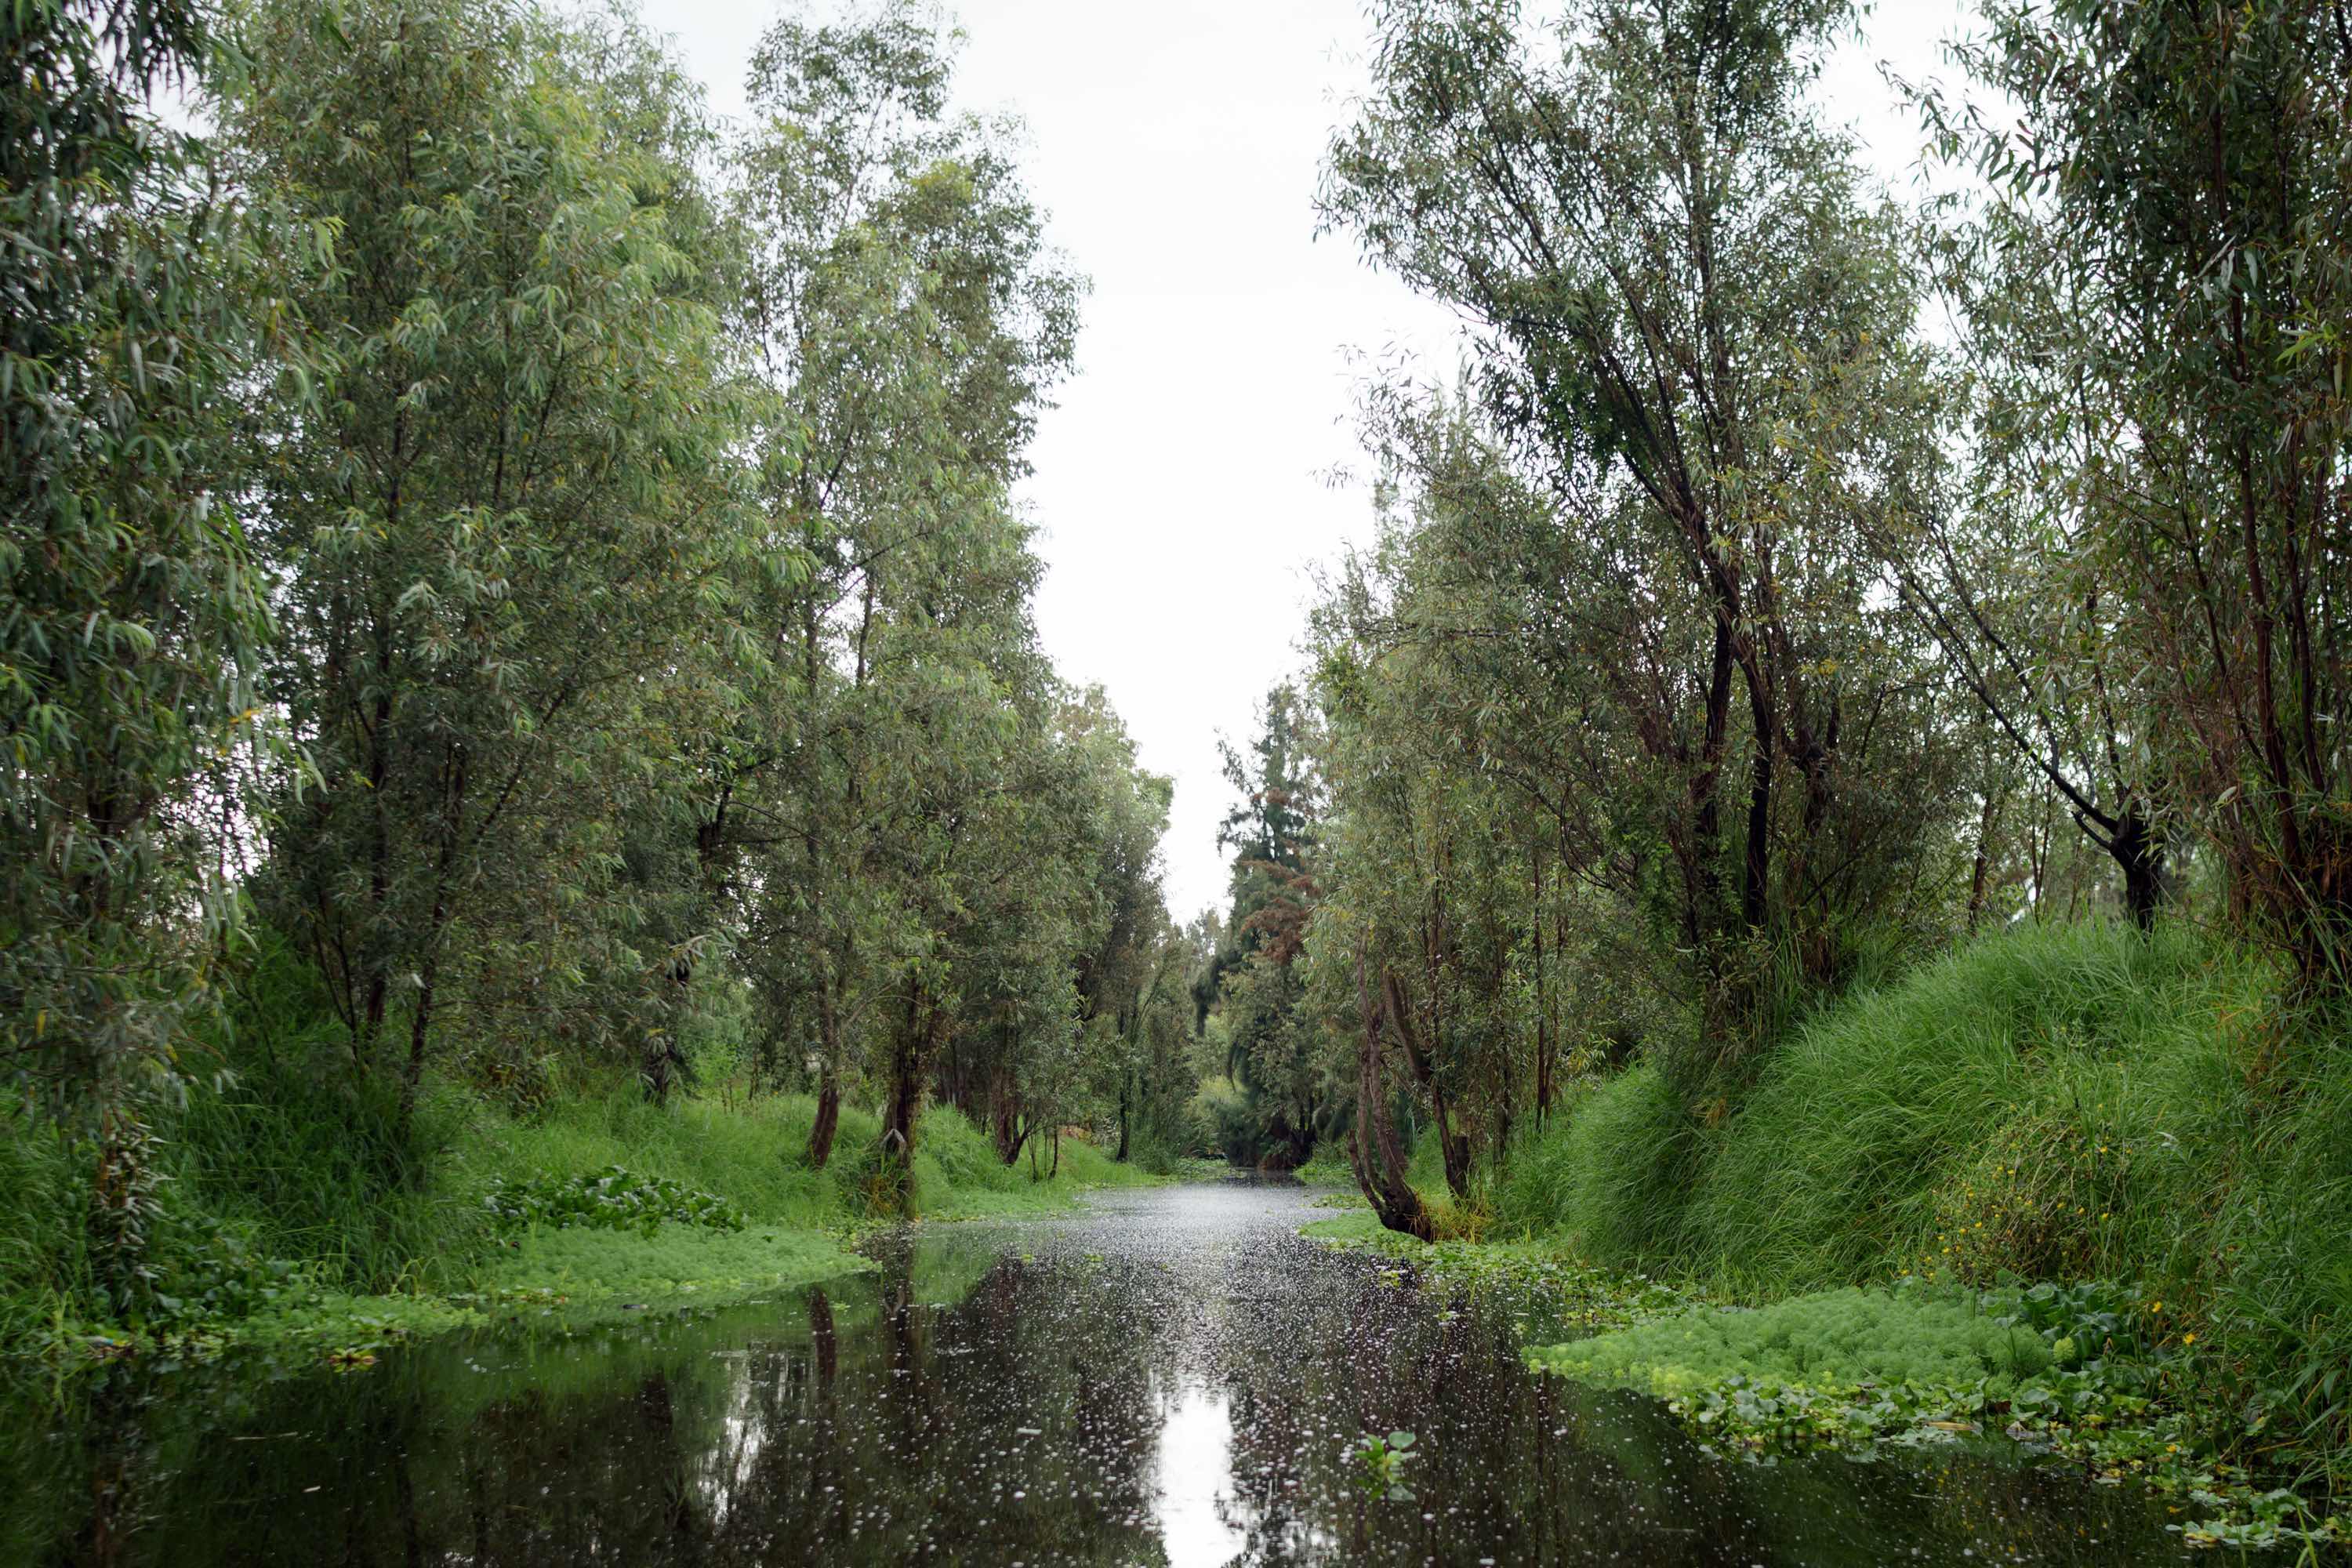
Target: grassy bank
[
  {"x": 287, "y": 1213},
  {"x": 2063, "y": 1104}
]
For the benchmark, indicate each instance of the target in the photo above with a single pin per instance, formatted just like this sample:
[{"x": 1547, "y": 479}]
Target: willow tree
[
  {"x": 1699, "y": 382},
  {"x": 2178, "y": 174},
  {"x": 1128, "y": 984},
  {"x": 134, "y": 616},
  {"x": 516, "y": 504},
  {"x": 902, "y": 307}
]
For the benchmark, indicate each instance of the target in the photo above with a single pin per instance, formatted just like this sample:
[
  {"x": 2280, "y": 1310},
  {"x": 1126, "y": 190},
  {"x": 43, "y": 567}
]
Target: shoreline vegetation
[
  {"x": 612, "y": 1206},
  {"x": 2061, "y": 1184}
]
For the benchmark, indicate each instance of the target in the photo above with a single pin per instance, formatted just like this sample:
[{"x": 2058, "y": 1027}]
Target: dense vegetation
[
  {"x": 528, "y": 756},
  {"x": 514, "y": 609},
  {"x": 1828, "y": 771}
]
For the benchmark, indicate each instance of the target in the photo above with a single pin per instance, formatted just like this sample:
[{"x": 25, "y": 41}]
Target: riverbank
[
  {"x": 593, "y": 1207},
  {"x": 2131, "y": 1145}
]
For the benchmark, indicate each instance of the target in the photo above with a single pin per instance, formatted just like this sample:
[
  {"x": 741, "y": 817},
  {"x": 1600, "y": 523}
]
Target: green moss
[{"x": 587, "y": 1266}]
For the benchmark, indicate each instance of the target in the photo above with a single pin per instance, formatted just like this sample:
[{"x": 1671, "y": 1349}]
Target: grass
[
  {"x": 2067, "y": 1102},
  {"x": 1328, "y": 1167},
  {"x": 291, "y": 1217},
  {"x": 2063, "y": 1103}
]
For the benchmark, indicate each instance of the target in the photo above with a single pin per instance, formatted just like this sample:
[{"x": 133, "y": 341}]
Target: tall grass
[{"x": 2065, "y": 1101}]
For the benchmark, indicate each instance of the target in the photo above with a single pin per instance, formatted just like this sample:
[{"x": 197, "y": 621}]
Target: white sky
[{"x": 1180, "y": 485}]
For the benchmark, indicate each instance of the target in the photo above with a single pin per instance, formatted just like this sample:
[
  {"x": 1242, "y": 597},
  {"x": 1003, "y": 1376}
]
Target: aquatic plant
[
  {"x": 1380, "y": 1465},
  {"x": 611, "y": 1199},
  {"x": 2085, "y": 1371},
  {"x": 1835, "y": 1338}
]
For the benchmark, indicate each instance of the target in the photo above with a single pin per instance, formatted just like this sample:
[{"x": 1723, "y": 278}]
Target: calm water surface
[{"x": 1170, "y": 1378}]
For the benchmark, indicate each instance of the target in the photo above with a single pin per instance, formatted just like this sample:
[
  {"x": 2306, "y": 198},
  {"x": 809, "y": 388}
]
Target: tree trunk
[
  {"x": 1702, "y": 881},
  {"x": 1754, "y": 879},
  {"x": 1453, "y": 1145},
  {"x": 828, "y": 1083},
  {"x": 1980, "y": 874},
  {"x": 1375, "y": 1151},
  {"x": 1004, "y": 1118},
  {"x": 903, "y": 1104},
  {"x": 1543, "y": 1005},
  {"x": 828, "y": 1118},
  {"x": 420, "y": 1025},
  {"x": 664, "y": 1057},
  {"x": 2139, "y": 852},
  {"x": 1126, "y": 1084}
]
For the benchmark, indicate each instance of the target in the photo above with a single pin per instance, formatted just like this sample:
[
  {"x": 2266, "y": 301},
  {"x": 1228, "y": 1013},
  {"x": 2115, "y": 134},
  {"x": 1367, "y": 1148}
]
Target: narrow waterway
[{"x": 1171, "y": 1377}]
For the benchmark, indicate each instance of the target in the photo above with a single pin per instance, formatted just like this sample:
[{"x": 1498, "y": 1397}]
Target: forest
[
  {"x": 515, "y": 610},
  {"x": 522, "y": 690}
]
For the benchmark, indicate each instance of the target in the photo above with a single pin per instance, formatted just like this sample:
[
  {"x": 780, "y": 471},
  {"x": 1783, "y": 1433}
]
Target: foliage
[
  {"x": 2082, "y": 1371},
  {"x": 1380, "y": 1464},
  {"x": 609, "y": 1199},
  {"x": 2071, "y": 1103},
  {"x": 517, "y": 497},
  {"x": 1625, "y": 574},
  {"x": 1267, "y": 1101},
  {"x": 1841, "y": 1338},
  {"x": 552, "y": 558},
  {"x": 134, "y": 344},
  {"x": 2171, "y": 177},
  {"x": 1551, "y": 1291}
]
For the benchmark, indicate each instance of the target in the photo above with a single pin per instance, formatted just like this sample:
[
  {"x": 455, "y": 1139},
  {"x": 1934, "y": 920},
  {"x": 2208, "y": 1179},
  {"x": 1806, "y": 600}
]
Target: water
[{"x": 1171, "y": 1378}]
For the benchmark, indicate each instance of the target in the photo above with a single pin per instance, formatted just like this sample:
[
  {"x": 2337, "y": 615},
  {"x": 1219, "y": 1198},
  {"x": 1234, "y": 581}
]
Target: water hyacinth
[{"x": 611, "y": 1199}]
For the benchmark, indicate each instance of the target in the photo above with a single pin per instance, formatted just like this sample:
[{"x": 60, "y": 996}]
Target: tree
[
  {"x": 1272, "y": 831},
  {"x": 902, "y": 307},
  {"x": 2177, "y": 175},
  {"x": 518, "y": 502},
  {"x": 131, "y": 343},
  {"x": 1699, "y": 382}
]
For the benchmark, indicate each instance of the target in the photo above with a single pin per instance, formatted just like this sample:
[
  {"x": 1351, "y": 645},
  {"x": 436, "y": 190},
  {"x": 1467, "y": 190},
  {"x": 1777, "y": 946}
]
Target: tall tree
[
  {"x": 134, "y": 615},
  {"x": 1699, "y": 373},
  {"x": 903, "y": 309},
  {"x": 520, "y": 501},
  {"x": 1271, "y": 829},
  {"x": 2177, "y": 175}
]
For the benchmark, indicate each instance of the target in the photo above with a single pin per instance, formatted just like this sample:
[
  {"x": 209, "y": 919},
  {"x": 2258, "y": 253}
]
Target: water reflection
[
  {"x": 1172, "y": 1381},
  {"x": 1195, "y": 1459}
]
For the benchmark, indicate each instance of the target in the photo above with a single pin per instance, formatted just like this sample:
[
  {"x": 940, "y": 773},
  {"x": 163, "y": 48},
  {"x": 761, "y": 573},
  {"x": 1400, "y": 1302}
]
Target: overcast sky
[{"x": 1182, "y": 486}]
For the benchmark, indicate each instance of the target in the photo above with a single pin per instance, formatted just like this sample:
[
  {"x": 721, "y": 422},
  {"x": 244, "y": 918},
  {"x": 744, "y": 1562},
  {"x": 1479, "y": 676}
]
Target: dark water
[{"x": 1169, "y": 1379}]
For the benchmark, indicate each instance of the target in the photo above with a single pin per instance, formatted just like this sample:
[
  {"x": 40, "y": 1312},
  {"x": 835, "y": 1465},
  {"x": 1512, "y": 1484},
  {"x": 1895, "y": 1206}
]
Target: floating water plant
[{"x": 1380, "y": 1465}]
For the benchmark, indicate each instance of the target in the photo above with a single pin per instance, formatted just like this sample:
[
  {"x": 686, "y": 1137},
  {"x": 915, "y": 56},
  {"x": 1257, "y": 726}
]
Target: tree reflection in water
[{"x": 1172, "y": 1380}]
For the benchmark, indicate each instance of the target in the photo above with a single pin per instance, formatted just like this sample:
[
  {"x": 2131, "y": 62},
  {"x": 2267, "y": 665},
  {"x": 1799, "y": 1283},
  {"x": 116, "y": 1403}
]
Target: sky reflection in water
[{"x": 1173, "y": 1378}]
